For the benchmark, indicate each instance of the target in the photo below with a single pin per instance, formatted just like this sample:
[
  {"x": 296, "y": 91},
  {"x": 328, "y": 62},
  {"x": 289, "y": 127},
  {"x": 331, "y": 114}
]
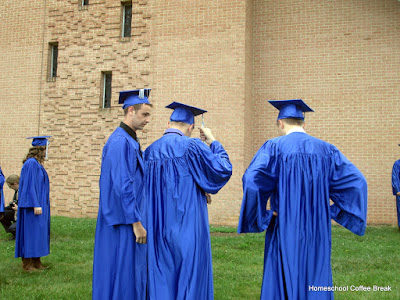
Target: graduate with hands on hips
[
  {"x": 300, "y": 174},
  {"x": 180, "y": 172}
]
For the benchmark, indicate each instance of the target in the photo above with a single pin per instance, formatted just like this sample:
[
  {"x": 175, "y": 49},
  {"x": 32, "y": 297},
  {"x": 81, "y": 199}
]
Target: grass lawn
[{"x": 237, "y": 260}]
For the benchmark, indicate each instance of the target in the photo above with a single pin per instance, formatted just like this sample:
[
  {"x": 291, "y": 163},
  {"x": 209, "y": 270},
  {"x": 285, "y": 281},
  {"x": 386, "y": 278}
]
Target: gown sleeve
[
  {"x": 2, "y": 180},
  {"x": 396, "y": 177},
  {"x": 349, "y": 192},
  {"x": 117, "y": 185},
  {"x": 259, "y": 182},
  {"x": 29, "y": 194},
  {"x": 209, "y": 166}
]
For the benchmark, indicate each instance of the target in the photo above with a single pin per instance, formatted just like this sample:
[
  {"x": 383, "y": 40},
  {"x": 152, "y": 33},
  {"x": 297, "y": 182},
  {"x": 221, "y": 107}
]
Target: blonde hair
[
  {"x": 12, "y": 179},
  {"x": 293, "y": 121}
]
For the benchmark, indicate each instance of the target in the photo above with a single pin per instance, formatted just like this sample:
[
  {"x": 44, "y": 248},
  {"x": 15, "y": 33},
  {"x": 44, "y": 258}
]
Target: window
[
  {"x": 106, "y": 78},
  {"x": 126, "y": 19},
  {"x": 53, "y": 61},
  {"x": 83, "y": 4}
]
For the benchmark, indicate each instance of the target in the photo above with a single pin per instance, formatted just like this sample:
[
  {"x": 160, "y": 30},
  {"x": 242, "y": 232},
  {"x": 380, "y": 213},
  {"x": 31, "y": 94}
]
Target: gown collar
[
  {"x": 296, "y": 129},
  {"x": 129, "y": 131},
  {"x": 173, "y": 131}
]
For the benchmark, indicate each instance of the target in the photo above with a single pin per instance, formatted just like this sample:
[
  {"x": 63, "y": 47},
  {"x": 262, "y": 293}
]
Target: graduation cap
[
  {"x": 291, "y": 108},
  {"x": 184, "y": 113},
  {"x": 41, "y": 141},
  {"x": 129, "y": 98}
]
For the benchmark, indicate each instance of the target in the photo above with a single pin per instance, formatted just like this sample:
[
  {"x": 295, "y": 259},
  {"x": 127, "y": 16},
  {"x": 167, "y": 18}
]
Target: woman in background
[{"x": 33, "y": 226}]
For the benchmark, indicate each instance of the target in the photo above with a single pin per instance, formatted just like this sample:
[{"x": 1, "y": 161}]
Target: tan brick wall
[
  {"x": 228, "y": 57},
  {"x": 21, "y": 33},
  {"x": 198, "y": 57},
  {"x": 89, "y": 43},
  {"x": 342, "y": 58}
]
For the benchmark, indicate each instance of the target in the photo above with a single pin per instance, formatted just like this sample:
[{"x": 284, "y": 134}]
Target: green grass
[{"x": 237, "y": 260}]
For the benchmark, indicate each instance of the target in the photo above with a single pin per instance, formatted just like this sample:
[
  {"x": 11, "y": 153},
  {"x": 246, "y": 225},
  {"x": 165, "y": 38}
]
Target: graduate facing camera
[
  {"x": 33, "y": 227},
  {"x": 120, "y": 262},
  {"x": 180, "y": 172},
  {"x": 299, "y": 174}
]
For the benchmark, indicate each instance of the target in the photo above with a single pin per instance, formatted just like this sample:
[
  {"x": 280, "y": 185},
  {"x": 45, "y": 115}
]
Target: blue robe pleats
[
  {"x": 300, "y": 174},
  {"x": 396, "y": 187},
  {"x": 33, "y": 231},
  {"x": 120, "y": 264},
  {"x": 179, "y": 171},
  {"x": 2, "y": 180}
]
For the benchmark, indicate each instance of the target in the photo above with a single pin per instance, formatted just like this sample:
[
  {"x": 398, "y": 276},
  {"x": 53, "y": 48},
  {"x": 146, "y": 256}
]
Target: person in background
[
  {"x": 2, "y": 180},
  {"x": 119, "y": 263},
  {"x": 180, "y": 171},
  {"x": 33, "y": 227},
  {"x": 10, "y": 211},
  {"x": 300, "y": 173},
  {"x": 396, "y": 187}
]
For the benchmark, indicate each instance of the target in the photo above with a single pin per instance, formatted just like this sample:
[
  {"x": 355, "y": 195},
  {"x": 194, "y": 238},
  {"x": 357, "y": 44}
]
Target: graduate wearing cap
[
  {"x": 396, "y": 187},
  {"x": 300, "y": 173},
  {"x": 32, "y": 239},
  {"x": 180, "y": 171},
  {"x": 119, "y": 263}
]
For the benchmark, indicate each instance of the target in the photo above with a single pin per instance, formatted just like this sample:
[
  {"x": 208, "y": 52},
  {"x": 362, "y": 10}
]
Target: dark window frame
[
  {"x": 83, "y": 4},
  {"x": 126, "y": 19},
  {"x": 106, "y": 89},
  {"x": 53, "y": 61}
]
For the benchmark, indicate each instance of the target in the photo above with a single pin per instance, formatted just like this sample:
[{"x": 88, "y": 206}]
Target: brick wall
[
  {"x": 198, "y": 57},
  {"x": 89, "y": 42},
  {"x": 21, "y": 35},
  {"x": 228, "y": 57},
  {"x": 342, "y": 58}
]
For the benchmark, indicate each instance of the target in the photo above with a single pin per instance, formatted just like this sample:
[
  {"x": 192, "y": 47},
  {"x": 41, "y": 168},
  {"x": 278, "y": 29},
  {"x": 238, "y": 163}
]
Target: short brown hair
[
  {"x": 12, "y": 179},
  {"x": 293, "y": 121},
  {"x": 136, "y": 107}
]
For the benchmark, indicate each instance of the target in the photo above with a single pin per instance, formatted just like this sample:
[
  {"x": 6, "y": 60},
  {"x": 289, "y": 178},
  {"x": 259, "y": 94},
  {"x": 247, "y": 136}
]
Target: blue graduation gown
[
  {"x": 2, "y": 180},
  {"x": 396, "y": 187},
  {"x": 180, "y": 169},
  {"x": 33, "y": 232},
  {"x": 119, "y": 264},
  {"x": 299, "y": 173}
]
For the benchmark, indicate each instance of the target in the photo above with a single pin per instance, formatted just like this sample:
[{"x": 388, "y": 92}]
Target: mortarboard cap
[
  {"x": 291, "y": 108},
  {"x": 129, "y": 98},
  {"x": 184, "y": 113},
  {"x": 39, "y": 140}
]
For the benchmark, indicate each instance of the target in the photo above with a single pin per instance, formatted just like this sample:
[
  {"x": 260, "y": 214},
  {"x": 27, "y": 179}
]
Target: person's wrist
[{"x": 210, "y": 141}]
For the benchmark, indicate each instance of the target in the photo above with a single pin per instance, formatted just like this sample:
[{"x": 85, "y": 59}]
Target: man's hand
[
  {"x": 15, "y": 207},
  {"x": 208, "y": 197},
  {"x": 140, "y": 233},
  {"x": 398, "y": 194},
  {"x": 37, "y": 211},
  {"x": 206, "y": 135},
  {"x": 274, "y": 213}
]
